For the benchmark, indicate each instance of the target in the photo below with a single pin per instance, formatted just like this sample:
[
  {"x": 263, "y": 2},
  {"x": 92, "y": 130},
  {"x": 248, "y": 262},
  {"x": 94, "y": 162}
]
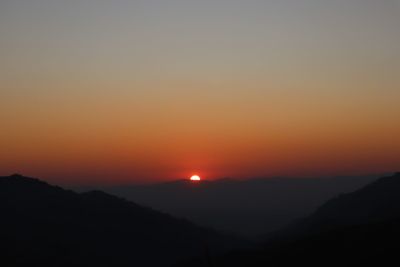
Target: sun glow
[{"x": 195, "y": 178}]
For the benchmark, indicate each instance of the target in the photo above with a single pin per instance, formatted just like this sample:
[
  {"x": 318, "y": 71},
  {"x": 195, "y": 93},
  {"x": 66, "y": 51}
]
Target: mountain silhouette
[
  {"x": 376, "y": 202},
  {"x": 45, "y": 225},
  {"x": 246, "y": 207},
  {"x": 355, "y": 229}
]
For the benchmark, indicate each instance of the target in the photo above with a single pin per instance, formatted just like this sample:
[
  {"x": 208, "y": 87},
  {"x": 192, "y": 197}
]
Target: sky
[{"x": 95, "y": 91}]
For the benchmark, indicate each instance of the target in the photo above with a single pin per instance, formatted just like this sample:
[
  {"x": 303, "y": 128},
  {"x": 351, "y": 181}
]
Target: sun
[{"x": 195, "y": 178}]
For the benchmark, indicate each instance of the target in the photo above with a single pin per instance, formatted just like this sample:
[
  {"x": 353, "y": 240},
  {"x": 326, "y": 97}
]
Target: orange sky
[{"x": 99, "y": 92}]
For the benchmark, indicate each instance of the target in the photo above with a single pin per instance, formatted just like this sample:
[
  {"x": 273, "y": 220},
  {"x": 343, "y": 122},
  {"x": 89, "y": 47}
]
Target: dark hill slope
[
  {"x": 378, "y": 201},
  {"x": 357, "y": 229},
  {"x": 44, "y": 225}
]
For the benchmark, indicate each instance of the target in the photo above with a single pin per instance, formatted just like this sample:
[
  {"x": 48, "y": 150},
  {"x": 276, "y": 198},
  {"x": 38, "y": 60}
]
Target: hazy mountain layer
[{"x": 249, "y": 207}]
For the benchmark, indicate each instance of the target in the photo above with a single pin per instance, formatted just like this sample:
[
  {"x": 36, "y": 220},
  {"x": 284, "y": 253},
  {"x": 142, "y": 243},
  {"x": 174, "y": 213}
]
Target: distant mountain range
[
  {"x": 248, "y": 207},
  {"x": 355, "y": 229},
  {"x": 45, "y": 225}
]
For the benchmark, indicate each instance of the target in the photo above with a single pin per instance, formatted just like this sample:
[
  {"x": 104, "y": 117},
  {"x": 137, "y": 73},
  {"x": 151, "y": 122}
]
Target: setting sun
[{"x": 195, "y": 178}]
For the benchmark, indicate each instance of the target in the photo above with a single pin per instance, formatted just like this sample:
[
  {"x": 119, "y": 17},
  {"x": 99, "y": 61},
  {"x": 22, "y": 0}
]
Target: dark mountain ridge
[
  {"x": 376, "y": 201},
  {"x": 373, "y": 203},
  {"x": 46, "y": 225},
  {"x": 355, "y": 229}
]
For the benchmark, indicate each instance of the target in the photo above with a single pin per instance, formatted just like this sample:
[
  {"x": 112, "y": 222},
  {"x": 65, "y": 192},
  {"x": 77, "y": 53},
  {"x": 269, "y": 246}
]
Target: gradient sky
[{"x": 95, "y": 91}]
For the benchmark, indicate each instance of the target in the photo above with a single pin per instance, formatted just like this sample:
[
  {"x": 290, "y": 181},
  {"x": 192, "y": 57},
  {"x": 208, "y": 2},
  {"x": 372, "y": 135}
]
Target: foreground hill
[
  {"x": 356, "y": 229},
  {"x": 377, "y": 202},
  {"x": 248, "y": 207},
  {"x": 44, "y": 225}
]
